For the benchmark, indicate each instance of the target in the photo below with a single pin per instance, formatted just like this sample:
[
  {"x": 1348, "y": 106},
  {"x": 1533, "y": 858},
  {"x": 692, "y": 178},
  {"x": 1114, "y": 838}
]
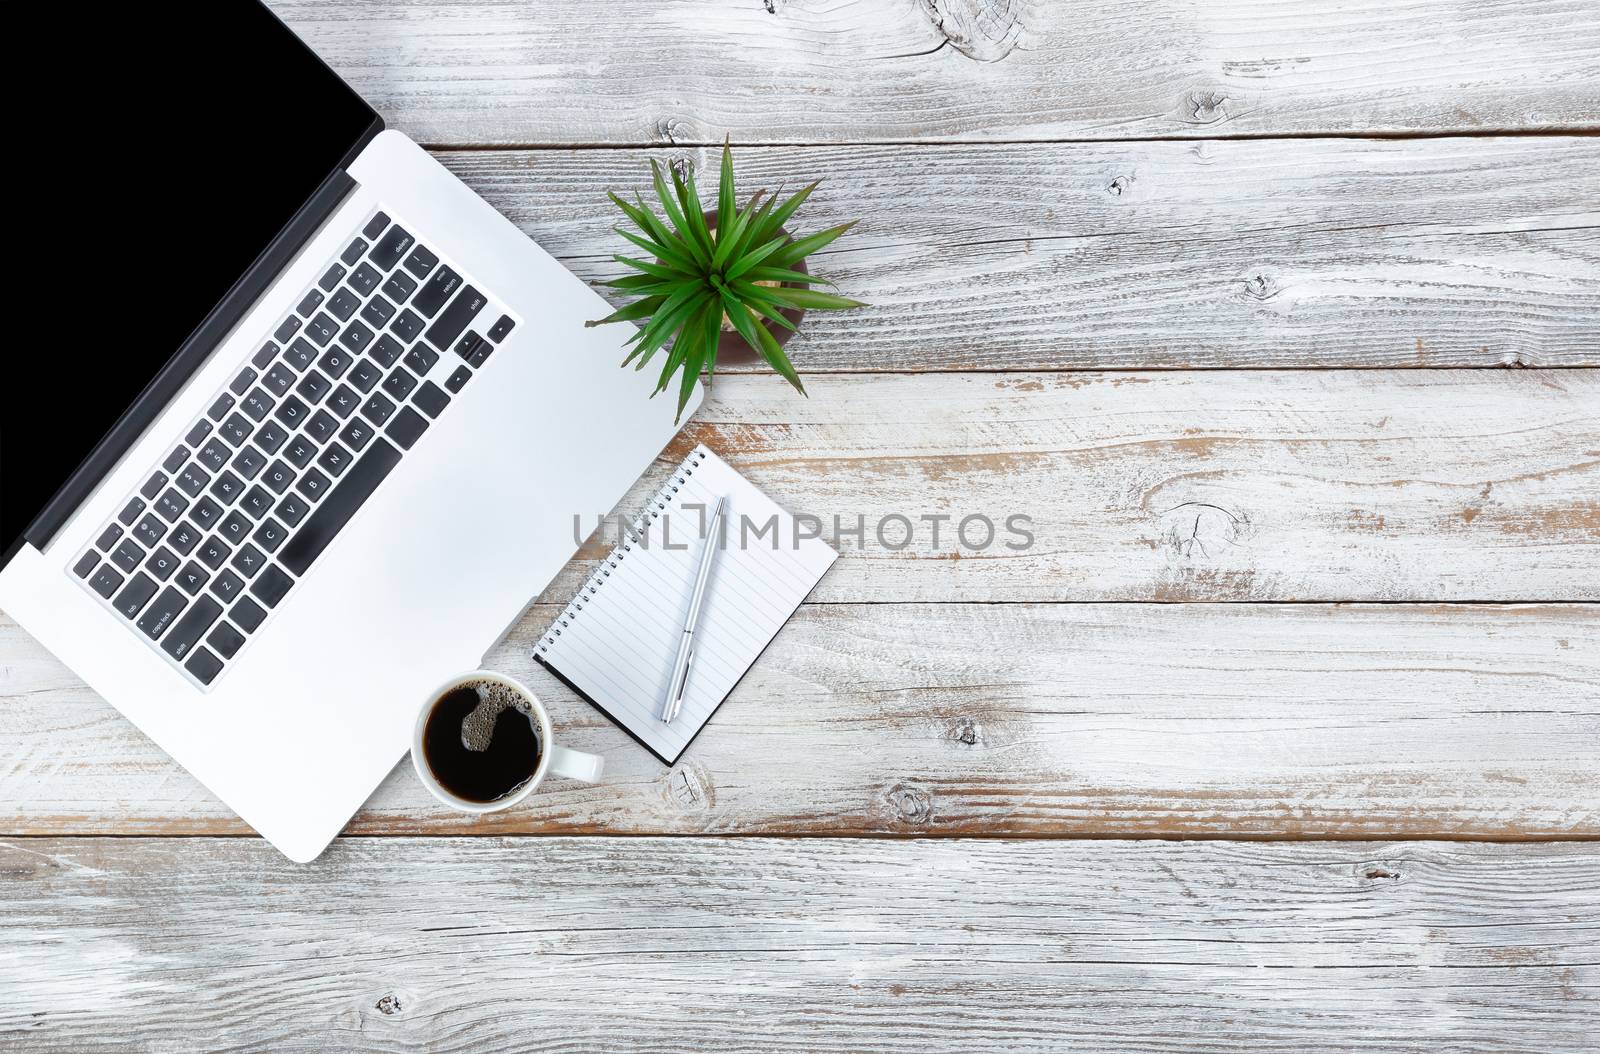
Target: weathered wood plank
[
  {"x": 1153, "y": 720},
  {"x": 706, "y": 944},
  {"x": 1277, "y": 253},
  {"x": 607, "y": 71}
]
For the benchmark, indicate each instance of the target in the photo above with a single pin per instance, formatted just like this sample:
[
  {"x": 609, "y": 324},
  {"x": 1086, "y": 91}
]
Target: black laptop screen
[{"x": 170, "y": 144}]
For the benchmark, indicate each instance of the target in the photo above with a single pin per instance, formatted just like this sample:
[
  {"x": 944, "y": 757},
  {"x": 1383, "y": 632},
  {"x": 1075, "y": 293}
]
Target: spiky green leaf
[
  {"x": 638, "y": 309},
  {"x": 801, "y": 248},
  {"x": 725, "y": 199}
]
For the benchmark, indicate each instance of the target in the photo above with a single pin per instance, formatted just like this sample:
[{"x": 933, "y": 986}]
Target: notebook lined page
[{"x": 616, "y": 642}]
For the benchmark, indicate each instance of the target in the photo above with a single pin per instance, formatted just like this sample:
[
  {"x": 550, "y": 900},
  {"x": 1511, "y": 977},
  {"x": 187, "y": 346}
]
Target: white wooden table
[{"x": 1284, "y": 736}]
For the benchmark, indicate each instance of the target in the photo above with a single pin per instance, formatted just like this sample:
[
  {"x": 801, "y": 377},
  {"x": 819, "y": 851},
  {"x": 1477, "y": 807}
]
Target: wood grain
[
  {"x": 664, "y": 945},
  {"x": 609, "y": 71},
  {"x": 1456, "y": 252},
  {"x": 1293, "y": 721}
]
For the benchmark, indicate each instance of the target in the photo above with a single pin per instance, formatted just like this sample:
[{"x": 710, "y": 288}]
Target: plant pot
[{"x": 731, "y": 348}]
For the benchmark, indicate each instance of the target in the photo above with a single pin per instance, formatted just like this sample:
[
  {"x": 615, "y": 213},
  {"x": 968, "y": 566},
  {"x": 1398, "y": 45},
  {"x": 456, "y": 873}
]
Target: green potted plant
[{"x": 727, "y": 282}]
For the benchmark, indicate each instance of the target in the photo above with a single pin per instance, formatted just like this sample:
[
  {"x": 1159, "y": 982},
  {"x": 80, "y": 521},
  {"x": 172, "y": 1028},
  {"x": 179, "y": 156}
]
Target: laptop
[{"x": 309, "y": 424}]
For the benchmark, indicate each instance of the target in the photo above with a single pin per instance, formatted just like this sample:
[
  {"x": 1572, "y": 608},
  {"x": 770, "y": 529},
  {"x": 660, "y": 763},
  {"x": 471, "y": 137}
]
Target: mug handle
[{"x": 576, "y": 765}]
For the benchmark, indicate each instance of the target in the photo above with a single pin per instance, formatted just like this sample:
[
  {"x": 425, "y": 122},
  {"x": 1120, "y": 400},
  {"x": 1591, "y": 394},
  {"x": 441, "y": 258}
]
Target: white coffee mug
[{"x": 574, "y": 764}]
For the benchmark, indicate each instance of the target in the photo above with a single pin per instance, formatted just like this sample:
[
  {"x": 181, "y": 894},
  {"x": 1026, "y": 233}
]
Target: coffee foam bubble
[{"x": 494, "y": 698}]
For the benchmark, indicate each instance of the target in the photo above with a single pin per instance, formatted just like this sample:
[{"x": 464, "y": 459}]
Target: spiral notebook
[{"x": 616, "y": 642}]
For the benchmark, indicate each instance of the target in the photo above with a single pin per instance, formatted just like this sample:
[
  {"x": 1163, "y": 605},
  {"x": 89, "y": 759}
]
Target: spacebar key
[{"x": 341, "y": 503}]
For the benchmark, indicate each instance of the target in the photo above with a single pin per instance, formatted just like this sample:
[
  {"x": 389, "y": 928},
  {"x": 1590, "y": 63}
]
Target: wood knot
[
  {"x": 771, "y": 6},
  {"x": 1117, "y": 187},
  {"x": 689, "y": 788},
  {"x": 672, "y": 131},
  {"x": 1197, "y": 529},
  {"x": 1260, "y": 287},
  {"x": 910, "y": 804},
  {"x": 1204, "y": 107},
  {"x": 982, "y": 30},
  {"x": 1377, "y": 873},
  {"x": 389, "y": 1005},
  {"x": 966, "y": 731}
]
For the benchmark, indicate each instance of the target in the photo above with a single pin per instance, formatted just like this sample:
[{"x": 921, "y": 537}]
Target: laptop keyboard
[{"x": 307, "y": 429}]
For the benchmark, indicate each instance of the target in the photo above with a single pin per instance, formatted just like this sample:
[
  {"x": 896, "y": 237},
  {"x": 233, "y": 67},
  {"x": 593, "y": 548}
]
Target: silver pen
[{"x": 680, "y": 667}]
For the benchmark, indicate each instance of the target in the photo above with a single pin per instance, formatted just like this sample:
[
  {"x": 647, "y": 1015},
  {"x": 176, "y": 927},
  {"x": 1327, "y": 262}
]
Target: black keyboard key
[
  {"x": 356, "y": 336},
  {"x": 431, "y": 399},
  {"x": 258, "y": 404},
  {"x": 344, "y": 304},
  {"x": 247, "y": 615},
  {"x": 501, "y": 329},
  {"x": 421, "y": 359},
  {"x": 299, "y": 452},
  {"x": 335, "y": 362},
  {"x": 279, "y": 379},
  {"x": 204, "y": 665},
  {"x": 421, "y": 261},
  {"x": 188, "y": 630},
  {"x": 176, "y": 459},
  {"x": 480, "y": 354},
  {"x": 313, "y": 386},
  {"x": 259, "y": 360},
  {"x": 436, "y": 292},
  {"x": 321, "y": 329},
  {"x": 399, "y": 287},
  {"x": 399, "y": 383},
  {"x": 407, "y": 427},
  {"x": 335, "y": 459},
  {"x": 150, "y": 530},
  {"x": 377, "y": 409},
  {"x": 408, "y": 325},
  {"x": 220, "y": 408},
  {"x": 153, "y": 485},
  {"x": 330, "y": 278},
  {"x": 271, "y": 436},
  {"x": 205, "y": 512},
  {"x": 162, "y": 563},
  {"x": 198, "y": 433},
  {"x": 236, "y": 429},
  {"x": 214, "y": 455},
  {"x": 226, "y": 640},
  {"x": 300, "y": 355},
  {"x": 132, "y": 600},
  {"x": 226, "y": 586},
  {"x": 313, "y": 484},
  {"x": 364, "y": 375},
  {"x": 270, "y": 535},
  {"x": 309, "y": 303},
  {"x": 364, "y": 279},
  {"x": 106, "y": 581},
  {"x": 357, "y": 434},
  {"x": 271, "y": 587},
  {"x": 127, "y": 555},
  {"x": 235, "y": 529},
  {"x": 248, "y": 561},
  {"x": 192, "y": 480},
  {"x": 324, "y": 525},
  {"x": 343, "y": 401},
  {"x": 86, "y": 564},
  {"x": 386, "y": 351},
  {"x": 322, "y": 426},
  {"x": 108, "y": 538},
  {"x": 226, "y": 488},
  {"x": 292, "y": 509},
  {"x": 292, "y": 412},
  {"x": 250, "y": 462},
  {"x": 453, "y": 319},
  {"x": 378, "y": 312},
  {"x": 159, "y": 615},
  {"x": 130, "y": 512},
  {"x": 257, "y": 502},
  {"x": 242, "y": 383},
  {"x": 393, "y": 245},
  {"x": 286, "y": 330},
  {"x": 458, "y": 380},
  {"x": 468, "y": 341},
  {"x": 171, "y": 505},
  {"x": 193, "y": 578},
  {"x": 353, "y": 252},
  {"x": 278, "y": 477},
  {"x": 184, "y": 538},
  {"x": 376, "y": 225},
  {"x": 213, "y": 553}
]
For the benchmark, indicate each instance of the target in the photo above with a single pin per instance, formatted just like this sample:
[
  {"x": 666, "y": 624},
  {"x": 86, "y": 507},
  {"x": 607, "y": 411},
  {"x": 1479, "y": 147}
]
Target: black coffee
[{"x": 481, "y": 741}]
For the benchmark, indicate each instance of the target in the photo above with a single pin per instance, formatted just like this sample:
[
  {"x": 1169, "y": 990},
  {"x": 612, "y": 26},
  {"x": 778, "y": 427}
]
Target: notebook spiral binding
[{"x": 652, "y": 510}]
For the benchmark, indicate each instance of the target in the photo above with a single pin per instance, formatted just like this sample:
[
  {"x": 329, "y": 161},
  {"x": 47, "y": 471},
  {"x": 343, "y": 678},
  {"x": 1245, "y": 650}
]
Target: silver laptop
[{"x": 318, "y": 434}]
